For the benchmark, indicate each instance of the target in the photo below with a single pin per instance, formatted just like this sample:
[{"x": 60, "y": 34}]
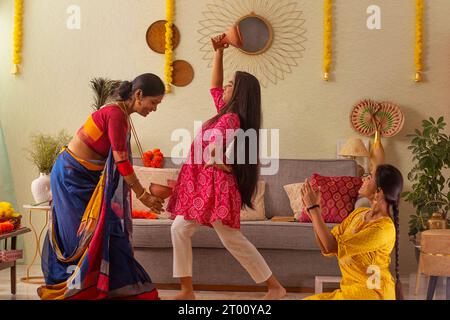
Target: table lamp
[{"x": 353, "y": 148}]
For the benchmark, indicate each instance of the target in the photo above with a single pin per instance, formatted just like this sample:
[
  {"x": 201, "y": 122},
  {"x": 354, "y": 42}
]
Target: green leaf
[{"x": 426, "y": 123}]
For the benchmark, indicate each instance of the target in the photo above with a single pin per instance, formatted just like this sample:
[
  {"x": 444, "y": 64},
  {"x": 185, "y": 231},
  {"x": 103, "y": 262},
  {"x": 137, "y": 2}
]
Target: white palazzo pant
[{"x": 233, "y": 240}]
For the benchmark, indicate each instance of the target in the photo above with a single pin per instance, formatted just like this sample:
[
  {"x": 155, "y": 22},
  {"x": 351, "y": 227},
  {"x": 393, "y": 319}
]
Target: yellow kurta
[{"x": 364, "y": 256}]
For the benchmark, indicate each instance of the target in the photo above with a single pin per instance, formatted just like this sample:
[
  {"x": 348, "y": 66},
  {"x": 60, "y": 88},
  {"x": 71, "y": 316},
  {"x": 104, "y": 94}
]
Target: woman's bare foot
[
  {"x": 275, "y": 290},
  {"x": 184, "y": 295},
  {"x": 187, "y": 290},
  {"x": 275, "y": 294}
]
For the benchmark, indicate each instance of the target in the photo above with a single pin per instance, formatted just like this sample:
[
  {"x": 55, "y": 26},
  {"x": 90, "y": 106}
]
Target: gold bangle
[{"x": 142, "y": 195}]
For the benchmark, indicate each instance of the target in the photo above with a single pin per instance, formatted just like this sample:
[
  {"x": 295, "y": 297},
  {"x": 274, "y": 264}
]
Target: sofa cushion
[
  {"x": 337, "y": 196},
  {"x": 293, "y": 192},
  {"x": 258, "y": 213},
  {"x": 263, "y": 234}
]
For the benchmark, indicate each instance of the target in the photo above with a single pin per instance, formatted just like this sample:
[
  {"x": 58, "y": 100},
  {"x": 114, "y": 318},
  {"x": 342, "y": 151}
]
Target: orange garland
[
  {"x": 153, "y": 159},
  {"x": 135, "y": 214}
]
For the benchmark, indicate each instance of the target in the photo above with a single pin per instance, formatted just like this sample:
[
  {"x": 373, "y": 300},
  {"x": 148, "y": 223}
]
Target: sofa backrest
[{"x": 289, "y": 171}]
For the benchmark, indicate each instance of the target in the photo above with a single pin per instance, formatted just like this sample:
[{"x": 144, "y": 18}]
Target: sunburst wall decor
[{"x": 284, "y": 27}]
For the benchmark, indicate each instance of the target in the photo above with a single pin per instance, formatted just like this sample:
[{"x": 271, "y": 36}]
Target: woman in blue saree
[{"x": 88, "y": 253}]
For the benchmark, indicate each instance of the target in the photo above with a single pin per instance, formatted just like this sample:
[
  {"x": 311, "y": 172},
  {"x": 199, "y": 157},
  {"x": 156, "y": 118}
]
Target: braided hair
[
  {"x": 398, "y": 283},
  {"x": 390, "y": 180}
]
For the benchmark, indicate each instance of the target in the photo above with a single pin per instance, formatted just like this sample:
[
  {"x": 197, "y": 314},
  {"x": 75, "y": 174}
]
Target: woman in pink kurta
[
  {"x": 211, "y": 191},
  {"x": 208, "y": 194}
]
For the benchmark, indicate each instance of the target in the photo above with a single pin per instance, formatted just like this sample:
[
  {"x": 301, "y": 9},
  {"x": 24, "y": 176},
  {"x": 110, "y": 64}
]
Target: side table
[
  {"x": 4, "y": 265},
  {"x": 435, "y": 258},
  {"x": 33, "y": 210}
]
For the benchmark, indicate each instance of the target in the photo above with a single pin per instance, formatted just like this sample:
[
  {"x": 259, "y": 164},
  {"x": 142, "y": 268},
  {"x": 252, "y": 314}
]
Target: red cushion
[{"x": 338, "y": 197}]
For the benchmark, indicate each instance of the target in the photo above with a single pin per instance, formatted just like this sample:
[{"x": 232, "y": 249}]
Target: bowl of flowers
[{"x": 155, "y": 159}]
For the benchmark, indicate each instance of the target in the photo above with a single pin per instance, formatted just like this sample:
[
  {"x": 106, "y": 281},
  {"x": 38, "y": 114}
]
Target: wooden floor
[{"x": 28, "y": 291}]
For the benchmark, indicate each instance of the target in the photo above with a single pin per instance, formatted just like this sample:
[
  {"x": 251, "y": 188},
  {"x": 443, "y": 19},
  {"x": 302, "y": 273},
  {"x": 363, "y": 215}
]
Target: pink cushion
[{"x": 338, "y": 197}]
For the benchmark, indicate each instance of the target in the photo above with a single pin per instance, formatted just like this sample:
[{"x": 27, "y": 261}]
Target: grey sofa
[{"x": 289, "y": 248}]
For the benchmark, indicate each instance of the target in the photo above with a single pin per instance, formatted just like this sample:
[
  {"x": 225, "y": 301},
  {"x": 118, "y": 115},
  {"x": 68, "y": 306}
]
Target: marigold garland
[
  {"x": 418, "y": 54},
  {"x": 17, "y": 35},
  {"x": 153, "y": 159},
  {"x": 136, "y": 214},
  {"x": 168, "y": 68},
  {"x": 327, "y": 38}
]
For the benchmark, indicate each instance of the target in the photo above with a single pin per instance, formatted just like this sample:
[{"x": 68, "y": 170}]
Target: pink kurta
[{"x": 207, "y": 195}]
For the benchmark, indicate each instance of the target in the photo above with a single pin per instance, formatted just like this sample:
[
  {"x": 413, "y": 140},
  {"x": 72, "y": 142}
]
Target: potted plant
[
  {"x": 43, "y": 152},
  {"x": 104, "y": 91},
  {"x": 431, "y": 157}
]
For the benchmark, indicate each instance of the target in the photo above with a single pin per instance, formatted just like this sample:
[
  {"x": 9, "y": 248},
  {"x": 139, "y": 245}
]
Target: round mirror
[{"x": 257, "y": 34}]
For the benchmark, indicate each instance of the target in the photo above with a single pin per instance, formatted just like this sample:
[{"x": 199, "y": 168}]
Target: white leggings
[{"x": 233, "y": 240}]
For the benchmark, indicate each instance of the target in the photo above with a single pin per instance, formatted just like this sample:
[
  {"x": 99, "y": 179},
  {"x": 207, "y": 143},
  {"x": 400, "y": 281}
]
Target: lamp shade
[{"x": 354, "y": 147}]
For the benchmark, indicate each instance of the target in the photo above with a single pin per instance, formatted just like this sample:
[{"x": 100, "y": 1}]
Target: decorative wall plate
[
  {"x": 183, "y": 73},
  {"x": 156, "y": 36},
  {"x": 390, "y": 119},
  {"x": 362, "y": 118},
  {"x": 367, "y": 116}
]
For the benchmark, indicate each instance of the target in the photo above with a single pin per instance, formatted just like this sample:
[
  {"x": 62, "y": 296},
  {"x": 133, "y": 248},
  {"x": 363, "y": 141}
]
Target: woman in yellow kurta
[{"x": 363, "y": 242}]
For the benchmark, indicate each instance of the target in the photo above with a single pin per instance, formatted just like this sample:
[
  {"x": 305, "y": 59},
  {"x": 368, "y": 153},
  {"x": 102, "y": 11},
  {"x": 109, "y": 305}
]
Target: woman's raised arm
[
  {"x": 217, "y": 69},
  {"x": 311, "y": 199}
]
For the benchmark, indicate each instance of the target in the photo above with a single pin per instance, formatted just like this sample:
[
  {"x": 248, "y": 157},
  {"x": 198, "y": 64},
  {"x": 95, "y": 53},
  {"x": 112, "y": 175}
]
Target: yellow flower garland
[
  {"x": 17, "y": 35},
  {"x": 418, "y": 54},
  {"x": 327, "y": 36},
  {"x": 168, "y": 68}
]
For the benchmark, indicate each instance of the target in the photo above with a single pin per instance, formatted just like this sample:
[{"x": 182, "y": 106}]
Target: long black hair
[
  {"x": 150, "y": 84},
  {"x": 246, "y": 103},
  {"x": 389, "y": 179}
]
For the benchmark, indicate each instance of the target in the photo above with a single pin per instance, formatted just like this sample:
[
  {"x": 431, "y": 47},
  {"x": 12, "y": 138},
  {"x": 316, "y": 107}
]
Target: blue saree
[{"x": 87, "y": 252}]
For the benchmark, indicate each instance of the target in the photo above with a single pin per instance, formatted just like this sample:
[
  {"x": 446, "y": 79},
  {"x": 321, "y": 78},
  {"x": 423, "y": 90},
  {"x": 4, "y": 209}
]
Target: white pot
[{"x": 40, "y": 188}]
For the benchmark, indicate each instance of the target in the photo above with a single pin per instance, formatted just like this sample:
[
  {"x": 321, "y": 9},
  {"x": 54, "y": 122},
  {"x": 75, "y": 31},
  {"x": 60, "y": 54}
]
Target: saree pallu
[{"x": 87, "y": 252}]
